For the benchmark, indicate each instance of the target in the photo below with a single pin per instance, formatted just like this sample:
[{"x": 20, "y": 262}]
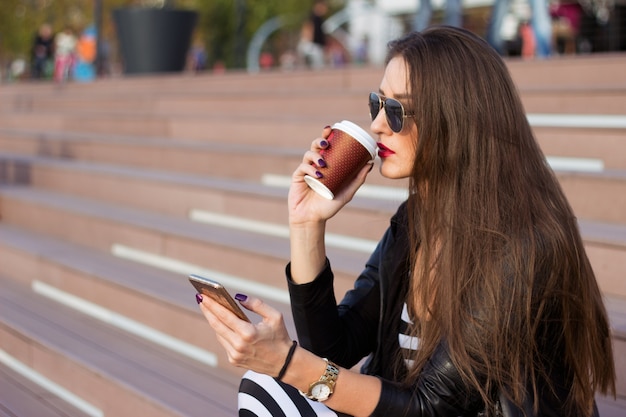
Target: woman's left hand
[{"x": 260, "y": 347}]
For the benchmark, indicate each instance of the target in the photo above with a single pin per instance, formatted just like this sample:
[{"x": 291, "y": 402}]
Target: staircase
[{"x": 111, "y": 193}]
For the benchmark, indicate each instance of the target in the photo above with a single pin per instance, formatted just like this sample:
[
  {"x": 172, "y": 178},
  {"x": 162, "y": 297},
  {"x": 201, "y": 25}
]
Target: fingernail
[
  {"x": 321, "y": 163},
  {"x": 241, "y": 297},
  {"x": 318, "y": 174},
  {"x": 327, "y": 127},
  {"x": 198, "y": 298},
  {"x": 323, "y": 143}
]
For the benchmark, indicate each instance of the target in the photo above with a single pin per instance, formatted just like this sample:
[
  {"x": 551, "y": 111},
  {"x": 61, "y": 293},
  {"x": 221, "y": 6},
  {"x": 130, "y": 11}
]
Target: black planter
[{"x": 154, "y": 40}]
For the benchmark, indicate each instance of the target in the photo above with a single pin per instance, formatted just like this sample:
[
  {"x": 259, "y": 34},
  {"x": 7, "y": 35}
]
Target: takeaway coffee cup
[{"x": 349, "y": 149}]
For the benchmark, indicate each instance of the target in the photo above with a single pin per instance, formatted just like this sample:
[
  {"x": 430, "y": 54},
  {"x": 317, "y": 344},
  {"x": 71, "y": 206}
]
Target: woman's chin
[{"x": 390, "y": 172}]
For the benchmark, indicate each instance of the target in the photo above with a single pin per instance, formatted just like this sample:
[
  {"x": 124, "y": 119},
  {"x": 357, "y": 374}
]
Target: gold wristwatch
[{"x": 323, "y": 388}]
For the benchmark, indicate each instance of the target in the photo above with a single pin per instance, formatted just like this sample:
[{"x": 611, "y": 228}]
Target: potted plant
[{"x": 154, "y": 36}]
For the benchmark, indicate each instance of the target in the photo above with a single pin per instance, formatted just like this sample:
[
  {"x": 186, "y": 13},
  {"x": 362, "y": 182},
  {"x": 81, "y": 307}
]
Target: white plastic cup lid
[{"x": 359, "y": 134}]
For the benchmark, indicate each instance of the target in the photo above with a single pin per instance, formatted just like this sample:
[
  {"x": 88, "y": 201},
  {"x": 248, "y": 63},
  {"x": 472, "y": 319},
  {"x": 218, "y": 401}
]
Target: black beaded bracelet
[{"x": 283, "y": 370}]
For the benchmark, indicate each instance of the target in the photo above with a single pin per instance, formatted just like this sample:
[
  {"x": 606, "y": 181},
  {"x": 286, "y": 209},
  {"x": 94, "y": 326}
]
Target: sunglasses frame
[{"x": 382, "y": 105}]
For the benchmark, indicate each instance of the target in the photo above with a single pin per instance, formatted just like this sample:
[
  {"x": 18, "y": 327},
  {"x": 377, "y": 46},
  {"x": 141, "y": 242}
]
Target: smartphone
[{"x": 209, "y": 288}]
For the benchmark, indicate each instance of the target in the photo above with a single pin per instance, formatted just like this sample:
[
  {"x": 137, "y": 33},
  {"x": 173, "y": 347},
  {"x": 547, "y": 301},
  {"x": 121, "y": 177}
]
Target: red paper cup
[{"x": 350, "y": 148}]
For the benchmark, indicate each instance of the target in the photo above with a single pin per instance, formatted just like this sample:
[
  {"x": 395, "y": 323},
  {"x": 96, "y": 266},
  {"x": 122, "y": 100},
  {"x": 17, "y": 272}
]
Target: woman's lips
[{"x": 384, "y": 151}]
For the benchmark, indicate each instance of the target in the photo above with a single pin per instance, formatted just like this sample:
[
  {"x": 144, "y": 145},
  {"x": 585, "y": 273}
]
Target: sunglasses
[{"x": 394, "y": 111}]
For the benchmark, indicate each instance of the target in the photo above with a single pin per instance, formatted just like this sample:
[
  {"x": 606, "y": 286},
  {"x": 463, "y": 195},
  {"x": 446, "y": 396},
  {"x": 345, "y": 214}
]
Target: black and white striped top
[{"x": 407, "y": 343}]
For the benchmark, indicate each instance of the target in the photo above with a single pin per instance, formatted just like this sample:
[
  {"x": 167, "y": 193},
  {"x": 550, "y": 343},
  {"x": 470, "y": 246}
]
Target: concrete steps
[
  {"x": 578, "y": 100},
  {"x": 181, "y": 194},
  {"x": 24, "y": 397},
  {"x": 276, "y": 117},
  {"x": 158, "y": 298},
  {"x": 114, "y": 372},
  {"x": 195, "y": 107},
  {"x": 289, "y": 139},
  {"x": 605, "y": 146},
  {"x": 108, "y": 227},
  {"x": 596, "y": 198}
]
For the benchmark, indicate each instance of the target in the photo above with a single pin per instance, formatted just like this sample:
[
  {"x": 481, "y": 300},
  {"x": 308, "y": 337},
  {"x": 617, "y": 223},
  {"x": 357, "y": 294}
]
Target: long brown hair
[{"x": 498, "y": 260}]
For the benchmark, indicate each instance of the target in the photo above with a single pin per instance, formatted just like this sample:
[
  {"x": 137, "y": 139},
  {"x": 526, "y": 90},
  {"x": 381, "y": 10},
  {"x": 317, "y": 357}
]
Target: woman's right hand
[{"x": 305, "y": 205}]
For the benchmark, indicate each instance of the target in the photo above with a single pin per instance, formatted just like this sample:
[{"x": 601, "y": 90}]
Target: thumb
[
  {"x": 348, "y": 192},
  {"x": 258, "y": 306},
  {"x": 362, "y": 174}
]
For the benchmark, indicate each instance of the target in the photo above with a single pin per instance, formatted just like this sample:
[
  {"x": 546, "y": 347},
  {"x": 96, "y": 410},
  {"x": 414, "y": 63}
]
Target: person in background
[
  {"x": 65, "y": 43},
  {"x": 479, "y": 299},
  {"x": 312, "y": 44},
  {"x": 198, "y": 58},
  {"x": 453, "y": 14},
  {"x": 42, "y": 52},
  {"x": 540, "y": 21},
  {"x": 566, "y": 21}
]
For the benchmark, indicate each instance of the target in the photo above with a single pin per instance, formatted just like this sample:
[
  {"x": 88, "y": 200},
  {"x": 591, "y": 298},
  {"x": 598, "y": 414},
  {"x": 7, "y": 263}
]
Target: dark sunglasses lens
[
  {"x": 395, "y": 114},
  {"x": 374, "y": 104}
]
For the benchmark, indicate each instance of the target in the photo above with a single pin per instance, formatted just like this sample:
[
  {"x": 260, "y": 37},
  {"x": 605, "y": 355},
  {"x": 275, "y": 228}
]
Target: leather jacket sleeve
[
  {"x": 439, "y": 391},
  {"x": 346, "y": 332}
]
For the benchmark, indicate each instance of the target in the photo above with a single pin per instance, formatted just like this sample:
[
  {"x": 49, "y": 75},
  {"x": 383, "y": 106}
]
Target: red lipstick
[{"x": 384, "y": 151}]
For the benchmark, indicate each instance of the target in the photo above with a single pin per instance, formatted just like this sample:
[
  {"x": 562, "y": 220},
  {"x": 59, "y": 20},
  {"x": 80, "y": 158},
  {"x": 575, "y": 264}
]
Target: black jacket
[{"x": 366, "y": 322}]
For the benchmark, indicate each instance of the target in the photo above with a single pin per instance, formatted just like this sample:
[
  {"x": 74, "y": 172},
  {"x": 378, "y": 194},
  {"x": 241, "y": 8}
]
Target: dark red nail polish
[
  {"x": 241, "y": 297},
  {"x": 198, "y": 298},
  {"x": 327, "y": 127}
]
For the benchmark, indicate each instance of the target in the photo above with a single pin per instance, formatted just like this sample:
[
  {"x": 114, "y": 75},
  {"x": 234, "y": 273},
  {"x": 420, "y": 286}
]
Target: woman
[
  {"x": 479, "y": 298},
  {"x": 64, "y": 54}
]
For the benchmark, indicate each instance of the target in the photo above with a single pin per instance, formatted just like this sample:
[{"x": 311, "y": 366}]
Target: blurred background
[{"x": 237, "y": 34}]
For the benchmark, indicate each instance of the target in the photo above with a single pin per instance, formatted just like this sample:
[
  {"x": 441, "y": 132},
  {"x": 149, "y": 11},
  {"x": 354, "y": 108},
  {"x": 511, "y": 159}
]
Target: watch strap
[{"x": 328, "y": 378}]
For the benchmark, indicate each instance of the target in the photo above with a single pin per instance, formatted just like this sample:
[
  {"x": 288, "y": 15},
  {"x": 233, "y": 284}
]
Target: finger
[
  {"x": 223, "y": 316},
  {"x": 366, "y": 170},
  {"x": 312, "y": 157},
  {"x": 326, "y": 132},
  {"x": 363, "y": 173},
  {"x": 235, "y": 343},
  {"x": 259, "y": 307},
  {"x": 356, "y": 183},
  {"x": 234, "y": 346},
  {"x": 310, "y": 166},
  {"x": 216, "y": 324},
  {"x": 320, "y": 143},
  {"x": 235, "y": 350}
]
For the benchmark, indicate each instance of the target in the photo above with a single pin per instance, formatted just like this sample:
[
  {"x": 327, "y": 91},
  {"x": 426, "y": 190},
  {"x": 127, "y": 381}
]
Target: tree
[
  {"x": 225, "y": 26},
  {"x": 20, "y": 20}
]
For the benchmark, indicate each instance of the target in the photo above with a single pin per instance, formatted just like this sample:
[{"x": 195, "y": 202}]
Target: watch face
[{"x": 320, "y": 391}]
